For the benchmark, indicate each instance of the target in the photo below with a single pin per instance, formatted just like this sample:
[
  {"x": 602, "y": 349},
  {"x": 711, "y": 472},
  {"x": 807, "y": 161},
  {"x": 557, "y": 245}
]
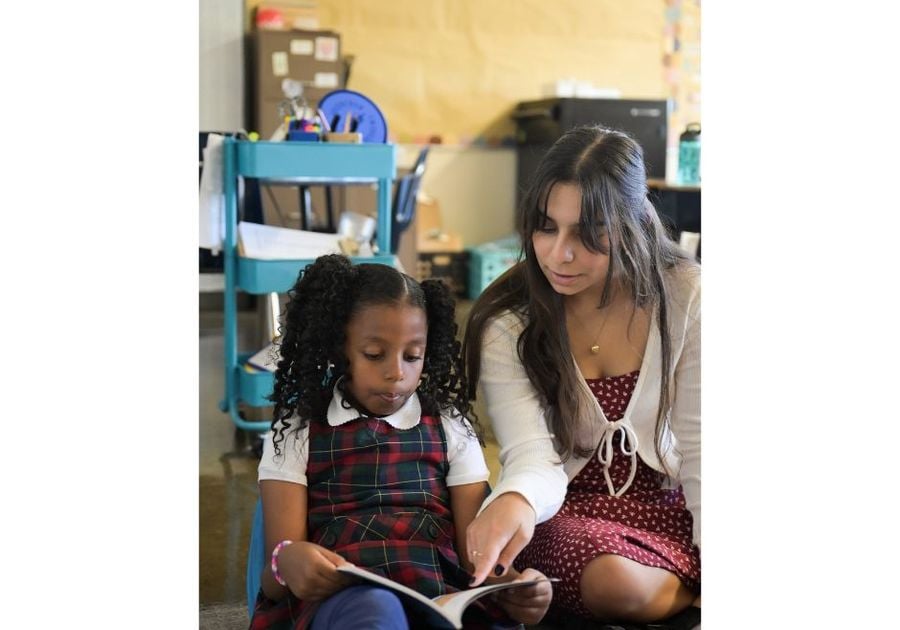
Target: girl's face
[
  {"x": 385, "y": 348},
  {"x": 568, "y": 265}
]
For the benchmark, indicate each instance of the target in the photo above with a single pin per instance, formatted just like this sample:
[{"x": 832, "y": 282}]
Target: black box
[
  {"x": 451, "y": 267},
  {"x": 540, "y": 123}
]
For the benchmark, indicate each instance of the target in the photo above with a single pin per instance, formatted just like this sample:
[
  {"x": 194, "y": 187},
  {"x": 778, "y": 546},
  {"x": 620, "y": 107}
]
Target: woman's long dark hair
[
  {"x": 608, "y": 168},
  {"x": 324, "y": 299}
]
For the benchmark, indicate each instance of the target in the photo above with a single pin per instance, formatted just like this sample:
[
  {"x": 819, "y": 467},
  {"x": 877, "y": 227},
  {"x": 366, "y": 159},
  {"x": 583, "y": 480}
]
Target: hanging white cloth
[{"x": 212, "y": 195}]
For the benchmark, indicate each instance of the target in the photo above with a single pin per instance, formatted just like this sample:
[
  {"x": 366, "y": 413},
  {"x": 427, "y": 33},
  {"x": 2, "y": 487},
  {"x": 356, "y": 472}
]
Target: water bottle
[{"x": 689, "y": 155}]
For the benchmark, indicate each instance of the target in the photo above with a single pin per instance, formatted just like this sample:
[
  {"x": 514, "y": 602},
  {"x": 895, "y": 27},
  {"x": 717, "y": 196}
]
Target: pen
[{"x": 322, "y": 117}]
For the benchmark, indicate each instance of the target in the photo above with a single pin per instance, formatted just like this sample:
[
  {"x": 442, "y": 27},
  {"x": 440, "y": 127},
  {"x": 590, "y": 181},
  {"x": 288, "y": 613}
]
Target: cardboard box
[
  {"x": 430, "y": 235},
  {"x": 451, "y": 267},
  {"x": 311, "y": 57}
]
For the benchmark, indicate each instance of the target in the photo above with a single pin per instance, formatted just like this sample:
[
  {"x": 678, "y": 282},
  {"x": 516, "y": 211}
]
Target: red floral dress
[{"x": 649, "y": 523}]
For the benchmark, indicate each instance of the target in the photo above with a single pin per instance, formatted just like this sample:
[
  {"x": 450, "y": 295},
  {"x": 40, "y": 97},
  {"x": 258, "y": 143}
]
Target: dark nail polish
[{"x": 498, "y": 570}]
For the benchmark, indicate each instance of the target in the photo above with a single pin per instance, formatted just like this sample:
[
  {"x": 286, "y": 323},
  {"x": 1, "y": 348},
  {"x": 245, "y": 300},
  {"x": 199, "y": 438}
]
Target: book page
[
  {"x": 454, "y": 604},
  {"x": 365, "y": 574},
  {"x": 449, "y": 607}
]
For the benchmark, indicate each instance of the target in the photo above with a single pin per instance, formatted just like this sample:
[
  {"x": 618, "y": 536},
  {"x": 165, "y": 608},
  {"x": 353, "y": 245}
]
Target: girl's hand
[
  {"x": 311, "y": 570},
  {"x": 496, "y": 537},
  {"x": 528, "y": 604}
]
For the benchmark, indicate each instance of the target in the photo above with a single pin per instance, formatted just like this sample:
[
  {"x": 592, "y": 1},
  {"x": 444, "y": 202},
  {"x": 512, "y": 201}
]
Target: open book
[{"x": 444, "y": 611}]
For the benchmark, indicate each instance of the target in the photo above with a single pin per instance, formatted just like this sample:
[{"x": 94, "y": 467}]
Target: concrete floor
[{"x": 227, "y": 474}]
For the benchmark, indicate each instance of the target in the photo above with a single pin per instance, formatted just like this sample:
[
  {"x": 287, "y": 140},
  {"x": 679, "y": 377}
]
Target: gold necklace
[{"x": 595, "y": 347}]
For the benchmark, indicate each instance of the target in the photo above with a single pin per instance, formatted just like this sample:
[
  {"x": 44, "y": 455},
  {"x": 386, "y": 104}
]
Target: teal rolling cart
[{"x": 305, "y": 163}]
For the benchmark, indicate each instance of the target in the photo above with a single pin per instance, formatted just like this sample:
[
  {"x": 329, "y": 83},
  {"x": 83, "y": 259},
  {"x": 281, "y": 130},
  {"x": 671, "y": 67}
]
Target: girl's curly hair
[{"x": 321, "y": 303}]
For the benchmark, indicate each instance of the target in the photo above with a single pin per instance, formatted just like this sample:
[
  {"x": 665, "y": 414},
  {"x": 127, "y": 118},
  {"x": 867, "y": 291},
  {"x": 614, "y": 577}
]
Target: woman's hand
[
  {"x": 498, "y": 534},
  {"x": 311, "y": 570},
  {"x": 528, "y": 604}
]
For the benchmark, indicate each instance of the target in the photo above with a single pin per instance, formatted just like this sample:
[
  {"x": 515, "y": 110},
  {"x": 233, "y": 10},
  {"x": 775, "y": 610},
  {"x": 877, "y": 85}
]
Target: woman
[{"x": 588, "y": 355}]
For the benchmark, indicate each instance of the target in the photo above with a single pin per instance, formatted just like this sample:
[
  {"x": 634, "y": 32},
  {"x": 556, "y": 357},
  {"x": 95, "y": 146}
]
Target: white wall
[
  {"x": 221, "y": 65},
  {"x": 475, "y": 187}
]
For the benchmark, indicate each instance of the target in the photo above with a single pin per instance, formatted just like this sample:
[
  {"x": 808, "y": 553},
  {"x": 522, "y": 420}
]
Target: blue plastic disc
[{"x": 365, "y": 117}]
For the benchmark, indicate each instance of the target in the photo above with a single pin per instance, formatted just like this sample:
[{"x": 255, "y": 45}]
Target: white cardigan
[{"x": 530, "y": 464}]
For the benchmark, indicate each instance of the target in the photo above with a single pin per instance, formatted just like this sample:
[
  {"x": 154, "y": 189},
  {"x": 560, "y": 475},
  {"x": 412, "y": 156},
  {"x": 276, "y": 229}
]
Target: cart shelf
[
  {"x": 287, "y": 162},
  {"x": 278, "y": 276}
]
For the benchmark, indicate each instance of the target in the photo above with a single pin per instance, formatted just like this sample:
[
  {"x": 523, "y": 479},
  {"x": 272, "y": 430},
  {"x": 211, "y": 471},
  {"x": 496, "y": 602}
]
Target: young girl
[
  {"x": 370, "y": 459},
  {"x": 588, "y": 353}
]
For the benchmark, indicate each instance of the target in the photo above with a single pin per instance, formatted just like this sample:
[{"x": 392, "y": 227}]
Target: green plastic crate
[{"x": 488, "y": 261}]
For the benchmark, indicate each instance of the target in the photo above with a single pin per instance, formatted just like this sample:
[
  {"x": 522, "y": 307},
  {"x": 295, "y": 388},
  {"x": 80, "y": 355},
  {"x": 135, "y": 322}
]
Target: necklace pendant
[{"x": 595, "y": 349}]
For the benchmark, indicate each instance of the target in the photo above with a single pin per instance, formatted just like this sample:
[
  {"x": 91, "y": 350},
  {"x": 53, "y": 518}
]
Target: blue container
[
  {"x": 689, "y": 155},
  {"x": 278, "y": 276},
  {"x": 296, "y": 135},
  {"x": 255, "y": 386},
  {"x": 488, "y": 261}
]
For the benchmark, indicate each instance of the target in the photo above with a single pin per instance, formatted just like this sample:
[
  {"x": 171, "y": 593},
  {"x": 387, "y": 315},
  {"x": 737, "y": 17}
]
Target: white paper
[
  {"x": 448, "y": 608},
  {"x": 269, "y": 242},
  {"x": 301, "y": 47},
  {"x": 280, "y": 64},
  {"x": 266, "y": 359},
  {"x": 326, "y": 48}
]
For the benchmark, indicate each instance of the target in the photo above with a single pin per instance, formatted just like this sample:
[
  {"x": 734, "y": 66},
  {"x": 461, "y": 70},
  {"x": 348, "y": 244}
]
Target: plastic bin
[{"x": 488, "y": 261}]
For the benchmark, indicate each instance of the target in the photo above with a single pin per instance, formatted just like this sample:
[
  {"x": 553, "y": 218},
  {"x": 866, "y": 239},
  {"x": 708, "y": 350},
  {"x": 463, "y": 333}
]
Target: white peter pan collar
[{"x": 406, "y": 417}]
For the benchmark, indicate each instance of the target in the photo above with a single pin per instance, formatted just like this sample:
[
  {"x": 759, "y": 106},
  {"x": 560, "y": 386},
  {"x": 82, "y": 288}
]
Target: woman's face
[{"x": 568, "y": 265}]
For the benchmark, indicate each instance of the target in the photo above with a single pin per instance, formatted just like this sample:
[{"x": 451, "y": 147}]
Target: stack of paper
[{"x": 269, "y": 242}]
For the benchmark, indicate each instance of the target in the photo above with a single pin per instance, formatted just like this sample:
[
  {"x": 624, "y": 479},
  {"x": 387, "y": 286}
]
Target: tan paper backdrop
[{"x": 456, "y": 68}]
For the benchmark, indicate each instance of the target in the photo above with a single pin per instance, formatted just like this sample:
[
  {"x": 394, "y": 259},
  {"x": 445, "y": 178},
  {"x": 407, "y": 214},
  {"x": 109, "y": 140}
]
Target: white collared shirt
[{"x": 464, "y": 453}]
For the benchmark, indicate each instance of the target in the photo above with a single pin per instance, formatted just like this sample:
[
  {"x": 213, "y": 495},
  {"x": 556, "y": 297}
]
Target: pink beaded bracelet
[{"x": 275, "y": 551}]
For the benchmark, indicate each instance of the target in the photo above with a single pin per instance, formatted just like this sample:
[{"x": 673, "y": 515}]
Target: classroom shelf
[{"x": 287, "y": 162}]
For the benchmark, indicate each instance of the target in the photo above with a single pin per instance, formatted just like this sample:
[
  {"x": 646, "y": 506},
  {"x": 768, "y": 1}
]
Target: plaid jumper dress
[{"x": 377, "y": 496}]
